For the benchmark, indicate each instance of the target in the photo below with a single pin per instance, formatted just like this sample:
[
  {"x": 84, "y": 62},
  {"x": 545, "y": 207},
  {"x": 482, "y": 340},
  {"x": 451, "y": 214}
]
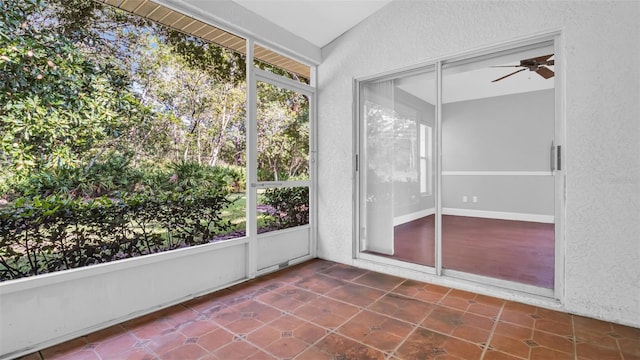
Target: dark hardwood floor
[{"x": 518, "y": 251}]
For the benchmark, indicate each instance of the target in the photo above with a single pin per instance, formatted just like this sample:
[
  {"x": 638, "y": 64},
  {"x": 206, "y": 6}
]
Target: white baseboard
[
  {"x": 497, "y": 173},
  {"x": 547, "y": 219},
  {"x": 403, "y": 219}
]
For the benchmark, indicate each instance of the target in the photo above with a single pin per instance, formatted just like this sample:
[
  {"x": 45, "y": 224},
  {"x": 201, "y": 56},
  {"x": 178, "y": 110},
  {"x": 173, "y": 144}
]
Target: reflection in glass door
[
  {"x": 498, "y": 162},
  {"x": 283, "y": 173},
  {"x": 397, "y": 197}
]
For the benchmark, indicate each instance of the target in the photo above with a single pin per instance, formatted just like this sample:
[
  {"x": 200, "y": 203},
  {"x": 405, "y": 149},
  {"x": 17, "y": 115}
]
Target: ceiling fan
[{"x": 538, "y": 64}]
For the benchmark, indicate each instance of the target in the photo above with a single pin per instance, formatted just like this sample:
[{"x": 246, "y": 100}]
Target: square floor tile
[
  {"x": 344, "y": 272},
  {"x": 337, "y": 347},
  {"x": 326, "y": 312},
  {"x": 356, "y": 294},
  {"x": 376, "y": 330},
  {"x": 422, "y": 291},
  {"x": 402, "y": 307},
  {"x": 426, "y": 344},
  {"x": 379, "y": 281}
]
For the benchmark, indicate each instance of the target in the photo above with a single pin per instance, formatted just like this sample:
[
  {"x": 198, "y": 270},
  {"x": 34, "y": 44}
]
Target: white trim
[
  {"x": 274, "y": 79},
  {"x": 251, "y": 163},
  {"x": 497, "y": 173},
  {"x": 277, "y": 267},
  {"x": 403, "y": 219},
  {"x": 438, "y": 174},
  {"x": 357, "y": 179},
  {"x": 458, "y": 280},
  {"x": 48, "y": 279},
  {"x": 505, "y": 284},
  {"x": 560, "y": 179},
  {"x": 283, "y": 231},
  {"x": 281, "y": 184},
  {"x": 313, "y": 167},
  {"x": 239, "y": 21},
  {"x": 374, "y": 261},
  {"x": 533, "y": 39},
  {"x": 539, "y": 218}
]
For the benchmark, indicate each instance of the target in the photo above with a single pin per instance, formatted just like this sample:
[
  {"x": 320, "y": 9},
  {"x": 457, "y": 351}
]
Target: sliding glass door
[
  {"x": 397, "y": 116},
  {"x": 498, "y": 195},
  {"x": 459, "y": 168}
]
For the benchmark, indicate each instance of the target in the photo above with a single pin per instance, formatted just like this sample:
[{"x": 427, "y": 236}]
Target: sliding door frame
[
  {"x": 358, "y": 177},
  {"x": 557, "y": 292}
]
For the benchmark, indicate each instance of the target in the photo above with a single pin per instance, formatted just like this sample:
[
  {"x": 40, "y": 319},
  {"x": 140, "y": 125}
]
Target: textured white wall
[{"x": 602, "y": 53}]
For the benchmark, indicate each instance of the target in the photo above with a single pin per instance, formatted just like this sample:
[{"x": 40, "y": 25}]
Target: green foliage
[
  {"x": 115, "y": 176},
  {"x": 283, "y": 133},
  {"x": 222, "y": 64},
  {"x": 41, "y": 235},
  {"x": 195, "y": 177},
  {"x": 120, "y": 137},
  {"x": 234, "y": 177},
  {"x": 59, "y": 107},
  {"x": 290, "y": 206}
]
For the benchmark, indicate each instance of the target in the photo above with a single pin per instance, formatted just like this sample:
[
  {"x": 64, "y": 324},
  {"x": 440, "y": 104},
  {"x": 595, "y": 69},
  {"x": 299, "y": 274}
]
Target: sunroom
[{"x": 489, "y": 148}]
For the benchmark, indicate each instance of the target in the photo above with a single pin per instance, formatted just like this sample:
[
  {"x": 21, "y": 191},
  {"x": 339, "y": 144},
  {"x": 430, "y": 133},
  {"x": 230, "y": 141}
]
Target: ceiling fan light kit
[{"x": 538, "y": 64}]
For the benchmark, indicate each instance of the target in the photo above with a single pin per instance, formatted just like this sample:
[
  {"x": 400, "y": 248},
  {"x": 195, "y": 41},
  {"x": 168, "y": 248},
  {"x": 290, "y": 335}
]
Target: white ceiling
[
  {"x": 317, "y": 21},
  {"x": 474, "y": 80}
]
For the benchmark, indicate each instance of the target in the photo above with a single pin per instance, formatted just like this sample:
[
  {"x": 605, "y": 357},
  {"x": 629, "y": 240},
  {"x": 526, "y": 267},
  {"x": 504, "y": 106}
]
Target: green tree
[
  {"x": 59, "y": 108},
  {"x": 283, "y": 133},
  {"x": 205, "y": 107}
]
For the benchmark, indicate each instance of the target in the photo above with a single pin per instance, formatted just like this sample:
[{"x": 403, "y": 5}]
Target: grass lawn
[{"x": 236, "y": 212}]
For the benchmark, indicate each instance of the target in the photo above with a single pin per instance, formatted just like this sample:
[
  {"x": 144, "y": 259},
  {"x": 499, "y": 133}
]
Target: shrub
[
  {"x": 290, "y": 206},
  {"x": 233, "y": 176},
  {"x": 41, "y": 235}
]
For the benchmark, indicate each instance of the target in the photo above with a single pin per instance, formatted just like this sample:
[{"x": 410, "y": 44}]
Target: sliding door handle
[
  {"x": 559, "y": 157},
  {"x": 555, "y": 157},
  {"x": 552, "y": 157}
]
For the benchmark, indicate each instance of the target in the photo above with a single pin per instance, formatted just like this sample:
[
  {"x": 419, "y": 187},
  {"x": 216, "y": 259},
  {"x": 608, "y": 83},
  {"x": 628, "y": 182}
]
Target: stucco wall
[{"x": 601, "y": 55}]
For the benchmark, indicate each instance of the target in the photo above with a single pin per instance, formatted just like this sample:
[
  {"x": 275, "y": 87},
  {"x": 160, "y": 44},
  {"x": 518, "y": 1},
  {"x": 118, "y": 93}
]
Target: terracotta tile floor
[{"x": 323, "y": 310}]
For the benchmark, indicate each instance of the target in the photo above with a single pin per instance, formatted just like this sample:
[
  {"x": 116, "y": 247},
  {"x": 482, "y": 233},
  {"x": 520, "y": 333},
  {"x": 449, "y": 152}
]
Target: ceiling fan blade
[
  {"x": 515, "y": 72},
  {"x": 506, "y": 66},
  {"x": 545, "y": 72},
  {"x": 539, "y": 59}
]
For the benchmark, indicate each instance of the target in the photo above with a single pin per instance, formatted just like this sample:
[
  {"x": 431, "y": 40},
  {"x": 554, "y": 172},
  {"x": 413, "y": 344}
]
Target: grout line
[
  {"x": 388, "y": 354},
  {"x": 417, "y": 325},
  {"x": 493, "y": 329},
  {"x": 617, "y": 342},
  {"x": 251, "y": 293},
  {"x": 575, "y": 338}
]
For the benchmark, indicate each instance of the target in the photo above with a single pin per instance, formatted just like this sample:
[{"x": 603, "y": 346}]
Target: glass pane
[
  {"x": 282, "y": 208},
  {"x": 397, "y": 203},
  {"x": 498, "y": 190},
  {"x": 283, "y": 134}
]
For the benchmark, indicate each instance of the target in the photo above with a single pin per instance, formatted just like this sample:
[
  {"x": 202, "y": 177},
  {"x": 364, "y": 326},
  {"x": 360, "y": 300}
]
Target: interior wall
[
  {"x": 602, "y": 147},
  {"x": 502, "y": 133},
  {"x": 510, "y": 132}
]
